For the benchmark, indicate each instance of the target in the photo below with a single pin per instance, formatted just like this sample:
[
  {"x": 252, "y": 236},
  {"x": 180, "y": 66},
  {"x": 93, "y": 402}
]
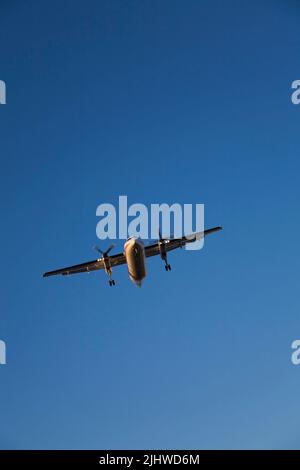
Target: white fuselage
[{"x": 135, "y": 257}]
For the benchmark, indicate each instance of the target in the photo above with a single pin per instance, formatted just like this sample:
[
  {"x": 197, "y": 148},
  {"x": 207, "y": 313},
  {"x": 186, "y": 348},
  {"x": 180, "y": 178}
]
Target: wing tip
[{"x": 213, "y": 229}]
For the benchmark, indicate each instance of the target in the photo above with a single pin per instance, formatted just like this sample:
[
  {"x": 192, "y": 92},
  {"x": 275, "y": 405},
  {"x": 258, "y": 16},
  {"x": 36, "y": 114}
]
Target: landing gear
[
  {"x": 111, "y": 281},
  {"x": 106, "y": 261},
  {"x": 163, "y": 252},
  {"x": 108, "y": 270}
]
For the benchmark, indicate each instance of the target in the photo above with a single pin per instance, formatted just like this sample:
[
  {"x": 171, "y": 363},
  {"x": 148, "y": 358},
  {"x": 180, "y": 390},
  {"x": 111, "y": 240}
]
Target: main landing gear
[
  {"x": 167, "y": 266},
  {"x": 108, "y": 271},
  {"x": 163, "y": 252},
  {"x": 107, "y": 264}
]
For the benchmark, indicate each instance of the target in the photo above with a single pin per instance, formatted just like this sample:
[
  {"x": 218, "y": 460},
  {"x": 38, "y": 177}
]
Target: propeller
[
  {"x": 104, "y": 253},
  {"x": 160, "y": 240},
  {"x": 163, "y": 241}
]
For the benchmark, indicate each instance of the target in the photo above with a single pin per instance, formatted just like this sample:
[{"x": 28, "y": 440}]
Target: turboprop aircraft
[{"x": 135, "y": 254}]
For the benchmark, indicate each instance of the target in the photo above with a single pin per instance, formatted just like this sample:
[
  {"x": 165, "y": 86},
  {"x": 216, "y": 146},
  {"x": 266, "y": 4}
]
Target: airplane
[{"x": 135, "y": 254}]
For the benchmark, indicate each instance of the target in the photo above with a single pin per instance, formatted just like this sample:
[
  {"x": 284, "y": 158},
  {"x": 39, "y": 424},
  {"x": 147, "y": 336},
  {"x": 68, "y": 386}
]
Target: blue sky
[{"x": 167, "y": 101}]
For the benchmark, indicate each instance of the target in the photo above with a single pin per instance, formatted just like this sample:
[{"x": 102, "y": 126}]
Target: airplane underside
[
  {"x": 134, "y": 255},
  {"x": 136, "y": 260}
]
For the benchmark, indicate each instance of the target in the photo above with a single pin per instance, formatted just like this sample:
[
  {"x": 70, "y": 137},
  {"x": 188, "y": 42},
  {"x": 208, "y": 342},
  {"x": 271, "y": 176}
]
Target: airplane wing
[
  {"x": 94, "y": 265},
  {"x": 173, "y": 243},
  {"x": 116, "y": 260}
]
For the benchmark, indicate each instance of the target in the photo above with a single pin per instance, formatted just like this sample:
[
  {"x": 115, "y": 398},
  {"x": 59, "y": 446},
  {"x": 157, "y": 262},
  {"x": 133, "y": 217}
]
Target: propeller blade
[
  {"x": 104, "y": 253},
  {"x": 162, "y": 239},
  {"x": 110, "y": 248},
  {"x": 96, "y": 248}
]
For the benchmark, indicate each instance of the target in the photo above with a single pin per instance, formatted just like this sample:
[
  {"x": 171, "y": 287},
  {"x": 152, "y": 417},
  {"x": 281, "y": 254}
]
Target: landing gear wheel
[
  {"x": 167, "y": 267},
  {"x": 112, "y": 282}
]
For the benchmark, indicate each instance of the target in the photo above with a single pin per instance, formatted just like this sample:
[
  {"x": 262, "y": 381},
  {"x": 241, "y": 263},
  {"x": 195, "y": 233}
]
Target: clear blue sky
[{"x": 166, "y": 102}]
